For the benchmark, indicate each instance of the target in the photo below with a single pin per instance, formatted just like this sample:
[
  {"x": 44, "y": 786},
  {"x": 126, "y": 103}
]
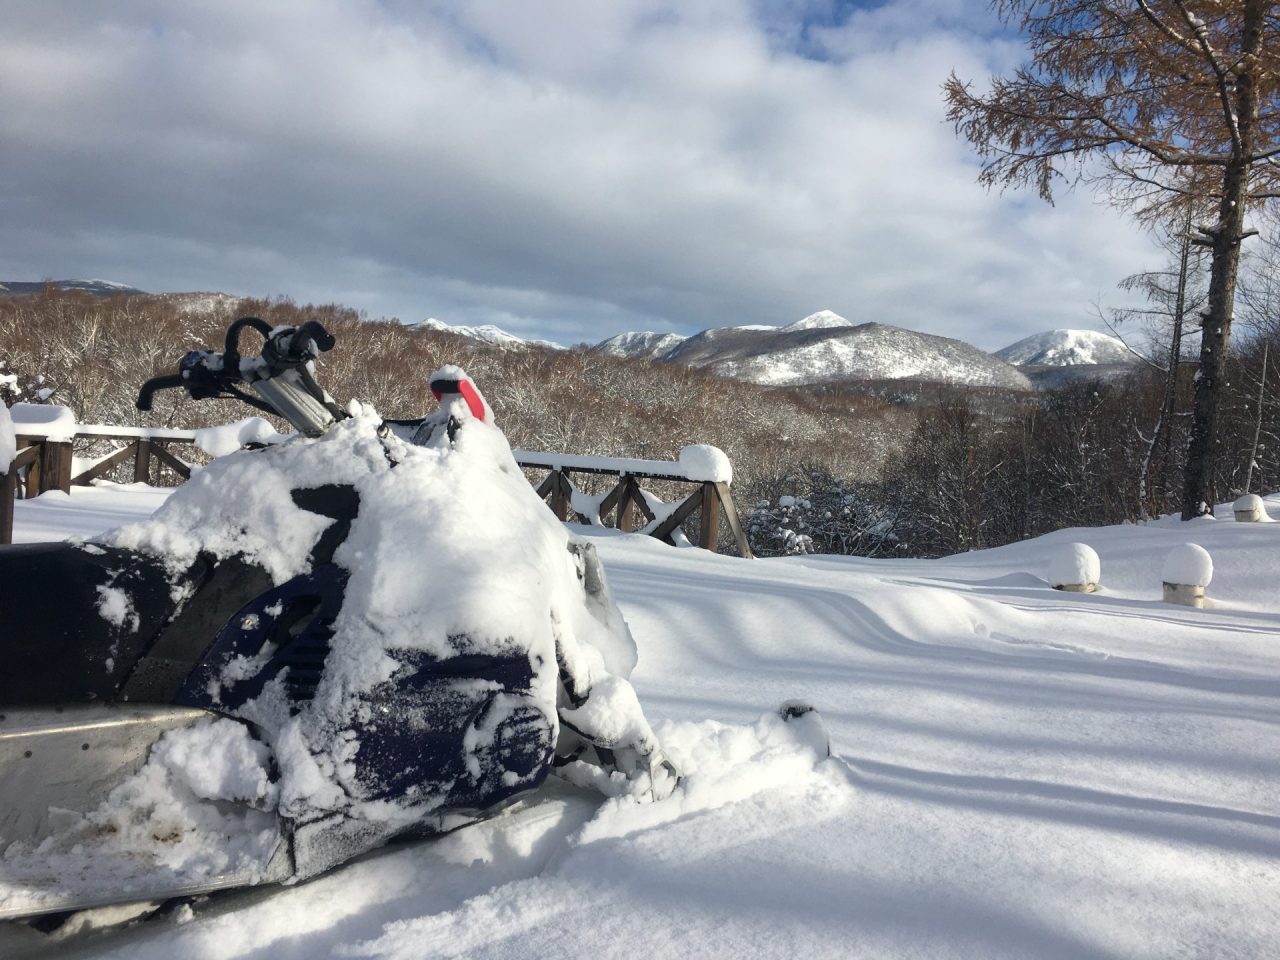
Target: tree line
[{"x": 837, "y": 469}]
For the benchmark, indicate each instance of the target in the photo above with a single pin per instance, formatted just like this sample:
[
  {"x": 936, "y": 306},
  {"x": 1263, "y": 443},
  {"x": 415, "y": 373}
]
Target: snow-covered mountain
[
  {"x": 97, "y": 288},
  {"x": 1066, "y": 348},
  {"x": 825, "y": 347},
  {"x": 486, "y": 333},
  {"x": 822, "y": 320},
  {"x": 645, "y": 345}
]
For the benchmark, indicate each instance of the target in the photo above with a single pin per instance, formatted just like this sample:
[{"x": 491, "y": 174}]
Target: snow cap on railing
[
  {"x": 46, "y": 420},
  {"x": 705, "y": 463}
]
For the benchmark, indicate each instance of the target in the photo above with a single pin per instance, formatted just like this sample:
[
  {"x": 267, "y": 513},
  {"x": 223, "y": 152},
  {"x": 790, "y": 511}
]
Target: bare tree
[
  {"x": 1176, "y": 99},
  {"x": 1172, "y": 294}
]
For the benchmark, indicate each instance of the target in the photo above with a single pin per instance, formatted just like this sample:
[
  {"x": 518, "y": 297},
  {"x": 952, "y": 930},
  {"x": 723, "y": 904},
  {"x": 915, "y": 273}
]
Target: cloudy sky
[{"x": 567, "y": 169}]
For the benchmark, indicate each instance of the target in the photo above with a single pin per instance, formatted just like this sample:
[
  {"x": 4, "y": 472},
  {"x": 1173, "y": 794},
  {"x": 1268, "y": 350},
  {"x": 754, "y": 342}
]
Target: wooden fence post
[
  {"x": 731, "y": 514},
  {"x": 26, "y": 457},
  {"x": 709, "y": 523},
  {"x": 142, "y": 462},
  {"x": 54, "y": 470},
  {"x": 559, "y": 495}
]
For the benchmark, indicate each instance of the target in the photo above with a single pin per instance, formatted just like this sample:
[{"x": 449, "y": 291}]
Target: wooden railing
[
  {"x": 44, "y": 463},
  {"x": 626, "y": 498}
]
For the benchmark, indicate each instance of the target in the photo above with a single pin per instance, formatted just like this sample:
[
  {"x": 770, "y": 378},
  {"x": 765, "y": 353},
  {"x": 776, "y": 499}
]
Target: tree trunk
[
  {"x": 1198, "y": 495},
  {"x": 1257, "y": 423},
  {"x": 1163, "y": 439}
]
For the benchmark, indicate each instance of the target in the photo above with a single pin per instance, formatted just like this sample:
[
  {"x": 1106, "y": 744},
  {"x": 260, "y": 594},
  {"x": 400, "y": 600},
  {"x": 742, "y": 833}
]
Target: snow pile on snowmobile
[{"x": 371, "y": 630}]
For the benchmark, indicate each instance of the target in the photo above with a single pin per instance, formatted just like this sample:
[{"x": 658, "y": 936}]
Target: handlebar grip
[
  {"x": 166, "y": 382},
  {"x": 314, "y": 331}
]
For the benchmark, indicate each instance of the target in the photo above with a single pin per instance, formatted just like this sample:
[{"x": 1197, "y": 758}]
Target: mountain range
[
  {"x": 825, "y": 348},
  {"x": 822, "y": 348}
]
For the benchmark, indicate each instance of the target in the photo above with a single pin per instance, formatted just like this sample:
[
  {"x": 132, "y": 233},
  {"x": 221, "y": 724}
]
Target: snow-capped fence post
[
  {"x": 1188, "y": 569},
  {"x": 1075, "y": 568},
  {"x": 1249, "y": 509}
]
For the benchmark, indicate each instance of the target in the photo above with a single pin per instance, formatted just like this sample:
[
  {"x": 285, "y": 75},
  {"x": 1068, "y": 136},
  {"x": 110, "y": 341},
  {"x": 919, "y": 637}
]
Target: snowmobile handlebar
[
  {"x": 280, "y": 375},
  {"x": 148, "y": 389}
]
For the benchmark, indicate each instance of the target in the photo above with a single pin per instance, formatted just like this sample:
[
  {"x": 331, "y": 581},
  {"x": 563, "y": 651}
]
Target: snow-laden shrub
[{"x": 831, "y": 516}]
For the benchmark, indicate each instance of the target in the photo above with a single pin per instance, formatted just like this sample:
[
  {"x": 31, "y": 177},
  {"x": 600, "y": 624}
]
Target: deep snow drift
[{"x": 1018, "y": 772}]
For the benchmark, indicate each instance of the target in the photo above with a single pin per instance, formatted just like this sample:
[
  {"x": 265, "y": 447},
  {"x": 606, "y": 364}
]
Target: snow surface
[
  {"x": 1075, "y": 563},
  {"x": 1017, "y": 773},
  {"x": 1064, "y": 348},
  {"x": 1189, "y": 564}
]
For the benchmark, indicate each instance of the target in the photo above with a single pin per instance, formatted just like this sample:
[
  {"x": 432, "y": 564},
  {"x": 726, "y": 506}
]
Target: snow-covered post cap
[
  {"x": 706, "y": 464},
  {"x": 1075, "y": 568},
  {"x": 1249, "y": 509},
  {"x": 46, "y": 420},
  {"x": 1188, "y": 569}
]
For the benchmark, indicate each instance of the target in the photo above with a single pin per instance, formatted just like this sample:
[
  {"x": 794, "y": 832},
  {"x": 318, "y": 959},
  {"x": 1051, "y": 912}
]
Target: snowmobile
[{"x": 370, "y": 630}]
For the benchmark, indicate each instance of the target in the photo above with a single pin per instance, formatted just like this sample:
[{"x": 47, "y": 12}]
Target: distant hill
[
  {"x": 487, "y": 334},
  {"x": 646, "y": 345},
  {"x": 96, "y": 288},
  {"x": 1066, "y": 348},
  {"x": 825, "y": 347}
]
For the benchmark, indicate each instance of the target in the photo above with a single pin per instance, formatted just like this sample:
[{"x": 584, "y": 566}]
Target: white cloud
[{"x": 569, "y": 169}]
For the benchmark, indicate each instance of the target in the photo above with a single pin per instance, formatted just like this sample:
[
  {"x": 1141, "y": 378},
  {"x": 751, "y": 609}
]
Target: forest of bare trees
[{"x": 834, "y": 470}]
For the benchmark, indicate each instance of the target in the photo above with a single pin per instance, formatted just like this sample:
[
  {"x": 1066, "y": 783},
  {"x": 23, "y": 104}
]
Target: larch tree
[{"x": 1162, "y": 101}]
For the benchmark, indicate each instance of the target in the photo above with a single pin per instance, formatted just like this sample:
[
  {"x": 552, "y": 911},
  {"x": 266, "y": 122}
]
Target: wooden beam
[
  {"x": 142, "y": 461},
  {"x": 26, "y": 457},
  {"x": 8, "y": 491},
  {"x": 54, "y": 467},
  {"x": 625, "y": 520},
  {"x": 559, "y": 495},
  {"x": 735, "y": 524},
  {"x": 709, "y": 521},
  {"x": 104, "y": 465},
  {"x": 170, "y": 461},
  {"x": 640, "y": 503},
  {"x": 546, "y": 486},
  {"x": 667, "y": 527},
  {"x": 33, "y": 468},
  {"x": 613, "y": 498}
]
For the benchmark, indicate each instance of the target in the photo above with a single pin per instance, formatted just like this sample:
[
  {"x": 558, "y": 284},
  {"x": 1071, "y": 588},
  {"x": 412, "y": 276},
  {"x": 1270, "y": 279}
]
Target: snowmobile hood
[{"x": 450, "y": 554}]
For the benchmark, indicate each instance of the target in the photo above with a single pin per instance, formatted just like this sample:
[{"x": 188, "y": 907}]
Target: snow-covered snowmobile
[{"x": 370, "y": 630}]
